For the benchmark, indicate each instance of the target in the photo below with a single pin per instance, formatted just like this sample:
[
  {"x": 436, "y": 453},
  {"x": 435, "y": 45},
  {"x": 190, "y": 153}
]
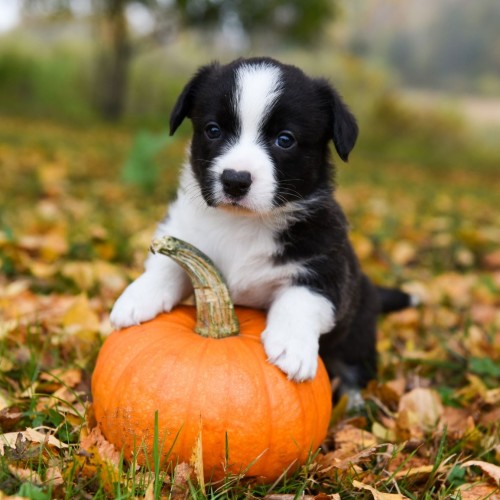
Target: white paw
[
  {"x": 296, "y": 355},
  {"x": 141, "y": 301}
]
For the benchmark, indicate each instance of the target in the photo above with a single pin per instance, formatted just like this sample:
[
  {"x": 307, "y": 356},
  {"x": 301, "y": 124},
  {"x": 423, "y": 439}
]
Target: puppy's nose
[{"x": 236, "y": 183}]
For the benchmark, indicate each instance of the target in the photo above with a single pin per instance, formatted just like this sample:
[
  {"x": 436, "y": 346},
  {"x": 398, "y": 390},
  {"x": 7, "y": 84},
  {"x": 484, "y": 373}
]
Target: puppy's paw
[
  {"x": 141, "y": 301},
  {"x": 295, "y": 355}
]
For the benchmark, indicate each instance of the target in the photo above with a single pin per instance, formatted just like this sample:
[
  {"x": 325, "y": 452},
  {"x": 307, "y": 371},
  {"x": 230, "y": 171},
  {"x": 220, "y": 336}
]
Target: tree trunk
[{"x": 113, "y": 58}]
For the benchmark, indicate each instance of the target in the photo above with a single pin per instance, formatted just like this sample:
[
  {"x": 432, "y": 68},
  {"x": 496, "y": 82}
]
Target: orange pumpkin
[{"x": 251, "y": 418}]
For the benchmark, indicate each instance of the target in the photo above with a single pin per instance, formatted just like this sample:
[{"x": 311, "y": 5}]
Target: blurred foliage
[
  {"x": 141, "y": 167},
  {"x": 299, "y": 21},
  {"x": 451, "y": 44},
  {"x": 115, "y": 45}
]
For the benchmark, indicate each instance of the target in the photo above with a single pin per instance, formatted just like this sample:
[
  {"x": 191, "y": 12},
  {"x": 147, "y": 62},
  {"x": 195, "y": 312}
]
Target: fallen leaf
[
  {"x": 350, "y": 439},
  {"x": 378, "y": 495},
  {"x": 478, "y": 491},
  {"x": 403, "y": 252},
  {"x": 417, "y": 474},
  {"x": 458, "y": 422},
  {"x": 180, "y": 486},
  {"x": 80, "y": 317},
  {"x": 196, "y": 460},
  {"x": 149, "y": 494},
  {"x": 491, "y": 470},
  {"x": 29, "y": 435},
  {"x": 95, "y": 442},
  {"x": 492, "y": 260},
  {"x": 418, "y": 412},
  {"x": 67, "y": 377},
  {"x": 53, "y": 476},
  {"x": 25, "y": 474}
]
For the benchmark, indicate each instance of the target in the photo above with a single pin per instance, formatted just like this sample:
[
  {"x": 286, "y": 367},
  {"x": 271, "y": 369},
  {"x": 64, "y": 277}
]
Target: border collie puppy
[{"x": 256, "y": 197}]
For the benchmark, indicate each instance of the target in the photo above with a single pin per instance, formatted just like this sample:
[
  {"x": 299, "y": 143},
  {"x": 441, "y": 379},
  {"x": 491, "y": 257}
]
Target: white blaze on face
[{"x": 258, "y": 86}]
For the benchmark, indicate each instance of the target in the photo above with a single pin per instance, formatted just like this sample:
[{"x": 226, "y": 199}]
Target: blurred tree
[{"x": 300, "y": 20}]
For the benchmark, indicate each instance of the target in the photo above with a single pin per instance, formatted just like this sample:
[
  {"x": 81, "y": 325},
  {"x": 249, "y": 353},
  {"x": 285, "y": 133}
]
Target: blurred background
[{"x": 86, "y": 88}]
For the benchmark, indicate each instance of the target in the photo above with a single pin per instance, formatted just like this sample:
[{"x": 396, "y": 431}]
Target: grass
[{"x": 73, "y": 232}]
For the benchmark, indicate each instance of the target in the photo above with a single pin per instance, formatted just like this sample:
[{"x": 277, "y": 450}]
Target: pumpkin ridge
[
  {"x": 116, "y": 380},
  {"x": 263, "y": 459},
  {"x": 193, "y": 390}
]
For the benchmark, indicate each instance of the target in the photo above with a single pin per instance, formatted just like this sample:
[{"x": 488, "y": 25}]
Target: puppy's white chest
[{"x": 242, "y": 247}]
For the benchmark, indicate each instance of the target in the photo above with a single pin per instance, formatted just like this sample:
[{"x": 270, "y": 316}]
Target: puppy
[{"x": 256, "y": 196}]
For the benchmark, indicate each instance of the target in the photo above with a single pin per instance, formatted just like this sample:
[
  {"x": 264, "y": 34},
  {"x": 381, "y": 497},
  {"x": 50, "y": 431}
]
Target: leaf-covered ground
[{"x": 73, "y": 233}]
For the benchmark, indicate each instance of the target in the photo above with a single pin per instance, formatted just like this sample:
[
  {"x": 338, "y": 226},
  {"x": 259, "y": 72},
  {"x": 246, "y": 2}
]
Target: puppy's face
[{"x": 261, "y": 133}]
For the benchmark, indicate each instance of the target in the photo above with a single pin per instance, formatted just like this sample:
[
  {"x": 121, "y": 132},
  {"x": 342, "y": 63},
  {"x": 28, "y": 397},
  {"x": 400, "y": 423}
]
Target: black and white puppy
[{"x": 256, "y": 196}]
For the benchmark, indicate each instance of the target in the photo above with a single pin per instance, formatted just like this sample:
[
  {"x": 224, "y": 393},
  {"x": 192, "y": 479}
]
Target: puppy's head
[{"x": 260, "y": 133}]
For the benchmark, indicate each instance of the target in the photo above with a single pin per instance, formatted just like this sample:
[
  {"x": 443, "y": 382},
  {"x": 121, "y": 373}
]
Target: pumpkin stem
[{"x": 215, "y": 316}]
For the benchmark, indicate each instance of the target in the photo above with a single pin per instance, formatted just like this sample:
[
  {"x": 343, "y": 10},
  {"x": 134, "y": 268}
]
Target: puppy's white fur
[
  {"x": 241, "y": 243},
  {"x": 257, "y": 89}
]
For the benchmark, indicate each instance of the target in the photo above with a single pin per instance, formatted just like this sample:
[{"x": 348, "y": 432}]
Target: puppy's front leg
[
  {"x": 296, "y": 319},
  {"x": 162, "y": 286}
]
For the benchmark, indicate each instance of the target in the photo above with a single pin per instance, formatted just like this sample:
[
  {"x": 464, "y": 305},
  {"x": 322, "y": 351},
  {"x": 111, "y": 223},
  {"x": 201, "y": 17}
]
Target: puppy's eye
[
  {"x": 285, "y": 140},
  {"x": 213, "y": 131}
]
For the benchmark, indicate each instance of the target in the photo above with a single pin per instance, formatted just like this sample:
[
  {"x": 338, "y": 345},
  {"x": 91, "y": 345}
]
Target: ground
[{"x": 75, "y": 226}]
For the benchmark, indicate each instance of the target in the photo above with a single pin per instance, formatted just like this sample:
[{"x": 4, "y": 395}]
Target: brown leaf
[
  {"x": 492, "y": 260},
  {"x": 25, "y": 474},
  {"x": 478, "y": 491},
  {"x": 9, "y": 417},
  {"x": 180, "y": 487},
  {"x": 419, "y": 411},
  {"x": 67, "y": 377},
  {"x": 53, "y": 475},
  {"x": 95, "y": 442},
  {"x": 29, "y": 435},
  {"x": 458, "y": 422},
  {"x": 350, "y": 439},
  {"x": 491, "y": 470}
]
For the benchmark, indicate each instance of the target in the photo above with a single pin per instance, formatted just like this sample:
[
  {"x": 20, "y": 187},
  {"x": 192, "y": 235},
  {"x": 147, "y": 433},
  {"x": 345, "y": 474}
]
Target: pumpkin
[{"x": 204, "y": 376}]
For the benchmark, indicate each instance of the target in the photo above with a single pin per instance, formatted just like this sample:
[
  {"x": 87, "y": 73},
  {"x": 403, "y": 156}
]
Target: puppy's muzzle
[{"x": 236, "y": 184}]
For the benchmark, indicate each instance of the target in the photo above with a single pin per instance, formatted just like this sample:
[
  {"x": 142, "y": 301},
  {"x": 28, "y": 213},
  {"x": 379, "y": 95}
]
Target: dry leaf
[
  {"x": 351, "y": 440},
  {"x": 478, "y": 491},
  {"x": 418, "y": 412},
  {"x": 458, "y": 422},
  {"x": 180, "y": 487},
  {"x": 150, "y": 491},
  {"x": 417, "y": 474},
  {"x": 403, "y": 252},
  {"x": 68, "y": 377},
  {"x": 491, "y": 470},
  {"x": 25, "y": 474},
  {"x": 196, "y": 460},
  {"x": 80, "y": 317},
  {"x": 95, "y": 442},
  {"x": 29, "y": 435},
  {"x": 378, "y": 495},
  {"x": 53, "y": 476}
]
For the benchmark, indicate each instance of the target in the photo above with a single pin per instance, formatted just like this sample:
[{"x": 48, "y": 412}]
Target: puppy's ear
[
  {"x": 184, "y": 104},
  {"x": 344, "y": 129}
]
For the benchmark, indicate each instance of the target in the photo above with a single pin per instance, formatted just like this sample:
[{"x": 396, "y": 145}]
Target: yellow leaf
[
  {"x": 196, "y": 460},
  {"x": 82, "y": 273},
  {"x": 403, "y": 252},
  {"x": 378, "y": 495},
  {"x": 80, "y": 317}
]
